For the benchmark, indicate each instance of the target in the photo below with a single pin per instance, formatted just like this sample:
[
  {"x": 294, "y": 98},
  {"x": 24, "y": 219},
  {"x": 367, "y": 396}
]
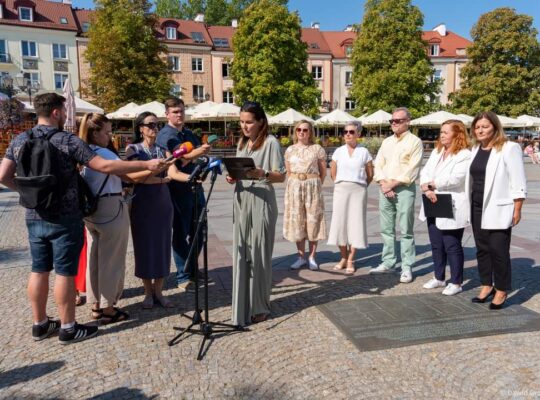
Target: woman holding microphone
[{"x": 255, "y": 213}]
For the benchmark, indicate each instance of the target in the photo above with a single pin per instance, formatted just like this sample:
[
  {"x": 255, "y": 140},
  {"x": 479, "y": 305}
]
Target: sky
[{"x": 458, "y": 15}]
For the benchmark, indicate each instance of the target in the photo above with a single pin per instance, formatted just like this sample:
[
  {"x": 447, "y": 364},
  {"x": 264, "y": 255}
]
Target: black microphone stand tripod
[{"x": 206, "y": 328}]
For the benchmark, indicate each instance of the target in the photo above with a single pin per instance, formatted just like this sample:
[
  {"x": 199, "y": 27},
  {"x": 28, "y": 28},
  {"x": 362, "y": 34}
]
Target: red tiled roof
[
  {"x": 47, "y": 15},
  {"x": 185, "y": 27},
  {"x": 449, "y": 44},
  {"x": 82, "y": 16},
  {"x": 315, "y": 41},
  {"x": 222, "y": 32},
  {"x": 337, "y": 41}
]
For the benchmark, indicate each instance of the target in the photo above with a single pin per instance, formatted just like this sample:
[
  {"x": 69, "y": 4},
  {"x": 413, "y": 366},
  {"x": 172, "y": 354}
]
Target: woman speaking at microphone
[{"x": 255, "y": 213}]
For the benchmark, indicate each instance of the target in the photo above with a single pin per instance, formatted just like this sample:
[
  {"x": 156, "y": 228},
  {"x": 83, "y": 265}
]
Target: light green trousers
[{"x": 402, "y": 209}]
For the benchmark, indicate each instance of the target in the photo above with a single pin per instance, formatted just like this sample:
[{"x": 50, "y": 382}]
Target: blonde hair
[
  {"x": 499, "y": 137},
  {"x": 91, "y": 124},
  {"x": 311, "y": 140}
]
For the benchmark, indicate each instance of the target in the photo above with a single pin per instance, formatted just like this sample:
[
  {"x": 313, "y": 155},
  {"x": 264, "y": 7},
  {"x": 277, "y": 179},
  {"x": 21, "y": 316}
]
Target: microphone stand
[{"x": 206, "y": 328}]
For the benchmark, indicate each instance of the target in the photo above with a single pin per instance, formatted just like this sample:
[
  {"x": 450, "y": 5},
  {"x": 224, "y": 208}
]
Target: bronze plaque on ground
[{"x": 382, "y": 322}]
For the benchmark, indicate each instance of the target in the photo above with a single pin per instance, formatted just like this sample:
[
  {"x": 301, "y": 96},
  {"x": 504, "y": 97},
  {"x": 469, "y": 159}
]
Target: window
[
  {"x": 433, "y": 49},
  {"x": 225, "y": 70},
  {"x": 174, "y": 63},
  {"x": 32, "y": 78},
  {"x": 25, "y": 14},
  {"x": 228, "y": 96},
  {"x": 63, "y": 20},
  {"x": 198, "y": 93},
  {"x": 437, "y": 75},
  {"x": 59, "y": 51},
  {"x": 29, "y": 49},
  {"x": 348, "y": 50},
  {"x": 348, "y": 78},
  {"x": 221, "y": 42},
  {"x": 4, "y": 56},
  {"x": 197, "y": 64},
  {"x": 1, "y": 10},
  {"x": 85, "y": 26},
  {"x": 59, "y": 80},
  {"x": 316, "y": 71},
  {"x": 197, "y": 37},
  {"x": 171, "y": 32},
  {"x": 350, "y": 104},
  {"x": 313, "y": 45},
  {"x": 176, "y": 90}
]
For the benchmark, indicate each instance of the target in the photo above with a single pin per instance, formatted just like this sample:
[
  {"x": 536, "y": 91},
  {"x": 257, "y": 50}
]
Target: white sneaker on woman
[
  {"x": 313, "y": 264},
  {"x": 452, "y": 289},
  {"x": 298, "y": 263},
  {"x": 433, "y": 284}
]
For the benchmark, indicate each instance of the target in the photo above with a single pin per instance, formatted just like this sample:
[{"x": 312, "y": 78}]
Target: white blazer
[
  {"x": 449, "y": 178},
  {"x": 505, "y": 182}
]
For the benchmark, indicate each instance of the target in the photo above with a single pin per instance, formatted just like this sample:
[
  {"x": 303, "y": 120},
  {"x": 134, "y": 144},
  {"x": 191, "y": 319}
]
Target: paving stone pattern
[{"x": 297, "y": 354}]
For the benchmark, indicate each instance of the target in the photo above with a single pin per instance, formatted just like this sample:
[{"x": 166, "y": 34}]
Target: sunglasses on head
[
  {"x": 305, "y": 130},
  {"x": 397, "y": 121},
  {"x": 151, "y": 125},
  {"x": 349, "y": 131}
]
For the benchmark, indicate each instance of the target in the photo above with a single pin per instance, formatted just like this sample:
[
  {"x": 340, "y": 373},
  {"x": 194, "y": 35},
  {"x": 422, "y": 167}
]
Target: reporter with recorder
[
  {"x": 151, "y": 213},
  {"x": 186, "y": 205},
  {"x": 445, "y": 172}
]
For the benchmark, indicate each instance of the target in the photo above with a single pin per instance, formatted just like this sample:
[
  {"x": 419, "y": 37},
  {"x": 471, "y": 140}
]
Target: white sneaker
[
  {"x": 433, "y": 284},
  {"x": 381, "y": 269},
  {"x": 313, "y": 264},
  {"x": 298, "y": 263},
  {"x": 406, "y": 277},
  {"x": 452, "y": 289}
]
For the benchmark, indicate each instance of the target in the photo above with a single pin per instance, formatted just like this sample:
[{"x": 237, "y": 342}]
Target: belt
[
  {"x": 303, "y": 177},
  {"x": 110, "y": 194}
]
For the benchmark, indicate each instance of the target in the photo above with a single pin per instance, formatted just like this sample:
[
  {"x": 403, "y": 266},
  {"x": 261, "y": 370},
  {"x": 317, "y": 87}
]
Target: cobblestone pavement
[{"x": 298, "y": 354}]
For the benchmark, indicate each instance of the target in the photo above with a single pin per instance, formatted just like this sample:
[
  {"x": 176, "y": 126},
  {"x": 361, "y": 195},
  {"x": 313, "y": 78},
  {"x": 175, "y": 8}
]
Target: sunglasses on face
[
  {"x": 151, "y": 125},
  {"x": 305, "y": 130},
  {"x": 397, "y": 121},
  {"x": 349, "y": 132}
]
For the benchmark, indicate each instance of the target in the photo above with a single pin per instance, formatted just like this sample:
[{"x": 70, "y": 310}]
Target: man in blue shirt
[{"x": 186, "y": 206}]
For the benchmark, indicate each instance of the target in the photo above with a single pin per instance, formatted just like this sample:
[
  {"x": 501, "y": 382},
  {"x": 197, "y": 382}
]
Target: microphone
[
  {"x": 214, "y": 165},
  {"x": 184, "y": 148},
  {"x": 200, "y": 164}
]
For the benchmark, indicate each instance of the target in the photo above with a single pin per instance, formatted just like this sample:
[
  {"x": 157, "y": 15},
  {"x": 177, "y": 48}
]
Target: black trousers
[
  {"x": 492, "y": 249},
  {"x": 446, "y": 247}
]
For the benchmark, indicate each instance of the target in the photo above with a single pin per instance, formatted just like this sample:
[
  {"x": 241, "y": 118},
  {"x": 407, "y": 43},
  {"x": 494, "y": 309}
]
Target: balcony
[{"x": 5, "y": 59}]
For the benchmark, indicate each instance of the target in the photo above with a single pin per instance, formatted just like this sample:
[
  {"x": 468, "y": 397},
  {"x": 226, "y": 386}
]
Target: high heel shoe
[
  {"x": 493, "y": 306},
  {"x": 483, "y": 299}
]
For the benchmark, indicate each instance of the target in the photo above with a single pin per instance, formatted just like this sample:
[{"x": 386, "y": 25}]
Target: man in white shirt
[{"x": 396, "y": 168}]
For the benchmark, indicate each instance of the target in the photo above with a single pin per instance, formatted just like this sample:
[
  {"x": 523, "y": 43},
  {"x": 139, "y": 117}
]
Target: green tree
[
  {"x": 217, "y": 12},
  {"x": 270, "y": 60},
  {"x": 169, "y": 8},
  {"x": 391, "y": 67},
  {"x": 503, "y": 70},
  {"x": 125, "y": 55}
]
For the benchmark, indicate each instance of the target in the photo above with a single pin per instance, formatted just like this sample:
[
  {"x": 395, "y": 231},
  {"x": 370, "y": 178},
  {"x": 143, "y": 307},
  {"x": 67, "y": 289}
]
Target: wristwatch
[
  {"x": 266, "y": 174},
  {"x": 430, "y": 187}
]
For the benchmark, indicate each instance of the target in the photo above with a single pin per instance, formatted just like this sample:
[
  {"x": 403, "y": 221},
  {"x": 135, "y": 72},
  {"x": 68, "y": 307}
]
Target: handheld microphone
[
  {"x": 184, "y": 148},
  {"x": 211, "y": 139},
  {"x": 200, "y": 164},
  {"x": 214, "y": 165}
]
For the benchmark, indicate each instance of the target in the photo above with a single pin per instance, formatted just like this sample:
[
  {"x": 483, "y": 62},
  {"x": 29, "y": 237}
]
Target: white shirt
[
  {"x": 351, "y": 168},
  {"x": 95, "y": 179}
]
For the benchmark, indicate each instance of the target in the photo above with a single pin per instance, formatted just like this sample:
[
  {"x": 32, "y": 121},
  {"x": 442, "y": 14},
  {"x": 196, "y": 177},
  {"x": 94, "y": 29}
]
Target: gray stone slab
[{"x": 398, "y": 321}]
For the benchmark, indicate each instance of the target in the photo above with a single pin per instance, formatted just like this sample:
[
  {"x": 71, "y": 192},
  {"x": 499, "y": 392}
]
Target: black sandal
[{"x": 118, "y": 316}]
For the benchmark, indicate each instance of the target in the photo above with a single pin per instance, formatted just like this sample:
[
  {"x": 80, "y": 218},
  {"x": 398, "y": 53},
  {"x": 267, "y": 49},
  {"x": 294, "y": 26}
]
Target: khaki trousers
[{"x": 108, "y": 237}]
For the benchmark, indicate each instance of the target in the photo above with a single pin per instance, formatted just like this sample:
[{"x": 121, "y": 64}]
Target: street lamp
[{"x": 26, "y": 85}]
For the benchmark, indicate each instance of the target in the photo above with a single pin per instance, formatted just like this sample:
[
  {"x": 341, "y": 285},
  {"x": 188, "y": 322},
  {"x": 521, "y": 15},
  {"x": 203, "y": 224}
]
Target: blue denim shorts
[{"x": 56, "y": 244}]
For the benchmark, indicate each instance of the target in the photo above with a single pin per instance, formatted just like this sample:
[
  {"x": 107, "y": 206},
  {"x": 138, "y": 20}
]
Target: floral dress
[{"x": 304, "y": 204}]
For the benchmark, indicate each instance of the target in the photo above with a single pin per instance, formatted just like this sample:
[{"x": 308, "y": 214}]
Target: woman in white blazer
[
  {"x": 446, "y": 172},
  {"x": 498, "y": 187}
]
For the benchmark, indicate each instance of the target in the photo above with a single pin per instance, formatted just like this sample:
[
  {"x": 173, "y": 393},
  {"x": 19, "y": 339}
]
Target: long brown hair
[
  {"x": 460, "y": 140},
  {"x": 499, "y": 137},
  {"x": 256, "y": 109},
  {"x": 311, "y": 139}
]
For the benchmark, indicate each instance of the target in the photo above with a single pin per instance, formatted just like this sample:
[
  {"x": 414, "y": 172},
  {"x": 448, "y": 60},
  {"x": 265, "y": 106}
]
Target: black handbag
[{"x": 87, "y": 200}]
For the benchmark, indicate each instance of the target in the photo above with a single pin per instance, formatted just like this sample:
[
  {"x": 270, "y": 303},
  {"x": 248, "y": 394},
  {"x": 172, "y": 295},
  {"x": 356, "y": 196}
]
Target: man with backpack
[{"x": 41, "y": 164}]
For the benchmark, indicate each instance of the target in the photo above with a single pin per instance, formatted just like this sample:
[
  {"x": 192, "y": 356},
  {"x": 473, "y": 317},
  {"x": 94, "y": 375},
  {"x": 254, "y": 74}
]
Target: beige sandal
[
  {"x": 340, "y": 265},
  {"x": 350, "y": 270}
]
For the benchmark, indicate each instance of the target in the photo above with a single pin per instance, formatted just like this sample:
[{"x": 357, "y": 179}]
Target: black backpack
[{"x": 37, "y": 179}]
